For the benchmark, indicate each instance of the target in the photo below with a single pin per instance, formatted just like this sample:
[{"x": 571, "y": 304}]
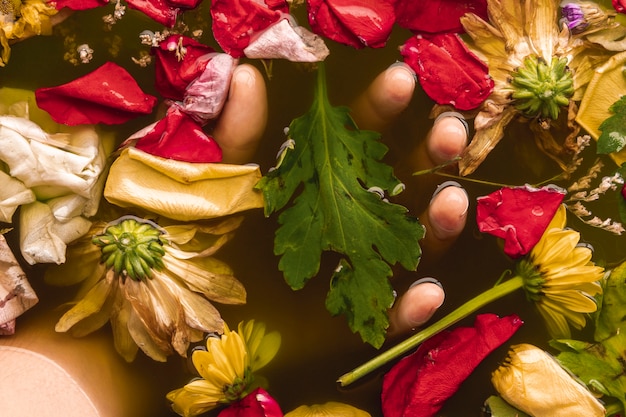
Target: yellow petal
[
  {"x": 329, "y": 409},
  {"x": 181, "y": 190}
]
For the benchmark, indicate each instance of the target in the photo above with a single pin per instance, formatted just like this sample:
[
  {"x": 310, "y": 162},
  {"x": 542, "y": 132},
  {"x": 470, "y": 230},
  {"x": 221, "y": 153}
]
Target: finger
[
  {"x": 444, "y": 219},
  {"x": 416, "y": 306},
  {"x": 388, "y": 95},
  {"x": 242, "y": 122}
]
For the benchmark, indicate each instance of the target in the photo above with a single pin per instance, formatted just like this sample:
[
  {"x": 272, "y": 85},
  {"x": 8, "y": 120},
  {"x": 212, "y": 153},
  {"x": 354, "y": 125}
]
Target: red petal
[
  {"x": 356, "y": 23},
  {"x": 518, "y": 215},
  {"x": 107, "y": 95},
  {"x": 177, "y": 136},
  {"x": 79, "y": 4},
  {"x": 619, "y": 5},
  {"x": 184, "y": 4},
  {"x": 172, "y": 76},
  {"x": 437, "y": 16},
  {"x": 448, "y": 72},
  {"x": 624, "y": 191},
  {"x": 256, "y": 404},
  {"x": 159, "y": 10},
  {"x": 420, "y": 383},
  {"x": 235, "y": 21}
]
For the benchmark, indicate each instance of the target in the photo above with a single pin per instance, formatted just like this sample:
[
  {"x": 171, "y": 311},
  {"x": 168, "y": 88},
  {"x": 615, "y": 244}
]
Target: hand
[{"x": 444, "y": 218}]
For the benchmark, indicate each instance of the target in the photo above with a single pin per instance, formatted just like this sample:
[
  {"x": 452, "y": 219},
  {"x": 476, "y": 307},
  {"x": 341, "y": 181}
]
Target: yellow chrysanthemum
[
  {"x": 329, "y": 409},
  {"x": 560, "y": 278},
  {"x": 537, "y": 68},
  {"x": 152, "y": 283},
  {"x": 226, "y": 368}
]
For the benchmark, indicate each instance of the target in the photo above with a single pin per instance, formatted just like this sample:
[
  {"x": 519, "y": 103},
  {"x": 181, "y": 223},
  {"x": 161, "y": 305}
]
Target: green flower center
[
  {"x": 132, "y": 247},
  {"x": 533, "y": 281},
  {"x": 239, "y": 388},
  {"x": 540, "y": 89}
]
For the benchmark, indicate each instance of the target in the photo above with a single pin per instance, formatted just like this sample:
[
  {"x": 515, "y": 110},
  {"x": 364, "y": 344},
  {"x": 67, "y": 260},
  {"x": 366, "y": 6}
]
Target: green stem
[{"x": 460, "y": 313}]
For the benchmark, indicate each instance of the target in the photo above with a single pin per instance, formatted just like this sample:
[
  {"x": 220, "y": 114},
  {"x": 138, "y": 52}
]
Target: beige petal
[
  {"x": 182, "y": 190},
  {"x": 155, "y": 348},
  {"x": 13, "y": 193},
  {"x": 124, "y": 343},
  {"x": 90, "y": 304},
  {"x": 541, "y": 26}
]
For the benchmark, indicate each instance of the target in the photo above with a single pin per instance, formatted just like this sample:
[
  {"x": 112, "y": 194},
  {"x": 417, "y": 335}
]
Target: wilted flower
[
  {"x": 152, "y": 283},
  {"x": 227, "y": 368},
  {"x": 532, "y": 381},
  {"x": 535, "y": 69}
]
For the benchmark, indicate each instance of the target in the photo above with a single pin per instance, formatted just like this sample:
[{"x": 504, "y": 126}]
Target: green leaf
[
  {"x": 326, "y": 169},
  {"x": 613, "y": 136},
  {"x": 602, "y": 365},
  {"x": 497, "y": 407}
]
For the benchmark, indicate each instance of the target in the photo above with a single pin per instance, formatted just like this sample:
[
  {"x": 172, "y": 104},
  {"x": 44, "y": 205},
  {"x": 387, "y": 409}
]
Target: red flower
[
  {"x": 235, "y": 22},
  {"x": 624, "y": 191},
  {"x": 357, "y": 23},
  {"x": 256, "y": 404},
  {"x": 619, "y": 5},
  {"x": 79, "y": 4},
  {"x": 437, "y": 16},
  {"x": 107, "y": 95},
  {"x": 177, "y": 136},
  {"x": 420, "y": 383},
  {"x": 518, "y": 215},
  {"x": 173, "y": 75},
  {"x": 448, "y": 72}
]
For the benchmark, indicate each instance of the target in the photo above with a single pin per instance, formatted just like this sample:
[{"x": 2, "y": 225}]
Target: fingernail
[
  {"x": 424, "y": 280},
  {"x": 457, "y": 116},
  {"x": 244, "y": 75},
  {"x": 447, "y": 218},
  {"x": 408, "y": 74},
  {"x": 445, "y": 185}
]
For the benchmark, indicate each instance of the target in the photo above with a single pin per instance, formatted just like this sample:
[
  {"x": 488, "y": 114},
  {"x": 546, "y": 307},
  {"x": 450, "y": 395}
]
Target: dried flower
[
  {"x": 152, "y": 282},
  {"x": 532, "y": 381}
]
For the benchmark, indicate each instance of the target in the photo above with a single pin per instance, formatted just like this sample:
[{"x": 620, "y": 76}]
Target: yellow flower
[
  {"x": 227, "y": 368},
  {"x": 533, "y": 382},
  {"x": 329, "y": 409},
  {"x": 22, "y": 19},
  {"x": 560, "y": 278},
  {"x": 152, "y": 283},
  {"x": 537, "y": 69}
]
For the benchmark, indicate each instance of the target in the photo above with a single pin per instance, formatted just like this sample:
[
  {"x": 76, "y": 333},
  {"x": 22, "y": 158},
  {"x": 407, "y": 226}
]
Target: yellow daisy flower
[
  {"x": 560, "y": 278},
  {"x": 226, "y": 368},
  {"x": 152, "y": 283},
  {"x": 537, "y": 68}
]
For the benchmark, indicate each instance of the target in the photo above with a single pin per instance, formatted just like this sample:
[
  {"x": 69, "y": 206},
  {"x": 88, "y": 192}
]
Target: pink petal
[
  {"x": 107, "y": 95},
  {"x": 160, "y": 11},
  {"x": 448, "y": 72},
  {"x": 236, "y": 21},
  {"x": 256, "y": 404},
  {"x": 177, "y": 136},
  {"x": 357, "y": 23},
  {"x": 437, "y": 16},
  {"x": 173, "y": 75},
  {"x": 420, "y": 383},
  {"x": 518, "y": 215}
]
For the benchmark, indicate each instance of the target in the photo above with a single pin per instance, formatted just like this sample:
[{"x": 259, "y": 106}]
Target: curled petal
[
  {"x": 357, "y": 23},
  {"x": 107, "y": 95},
  {"x": 447, "y": 71},
  {"x": 518, "y": 215},
  {"x": 159, "y": 10}
]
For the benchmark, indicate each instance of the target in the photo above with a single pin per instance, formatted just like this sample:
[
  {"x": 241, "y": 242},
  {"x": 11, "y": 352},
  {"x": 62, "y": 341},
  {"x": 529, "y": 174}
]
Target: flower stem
[{"x": 460, "y": 313}]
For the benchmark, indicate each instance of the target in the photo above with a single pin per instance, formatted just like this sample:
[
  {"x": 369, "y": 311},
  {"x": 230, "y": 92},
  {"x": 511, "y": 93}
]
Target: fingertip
[
  {"x": 447, "y": 139},
  {"x": 417, "y": 305},
  {"x": 399, "y": 84},
  {"x": 447, "y": 213}
]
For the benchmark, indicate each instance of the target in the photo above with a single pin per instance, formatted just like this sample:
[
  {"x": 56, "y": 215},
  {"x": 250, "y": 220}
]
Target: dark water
[{"x": 316, "y": 348}]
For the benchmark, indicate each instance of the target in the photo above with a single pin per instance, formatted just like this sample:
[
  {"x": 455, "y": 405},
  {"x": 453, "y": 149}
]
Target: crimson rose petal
[
  {"x": 79, "y": 4},
  {"x": 518, "y": 215},
  {"x": 420, "y": 383},
  {"x": 437, "y": 16},
  {"x": 107, "y": 95},
  {"x": 357, "y": 23},
  {"x": 173, "y": 75},
  {"x": 448, "y": 72},
  {"x": 619, "y": 5},
  {"x": 256, "y": 404},
  {"x": 158, "y": 10},
  {"x": 236, "y": 21},
  {"x": 177, "y": 136}
]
